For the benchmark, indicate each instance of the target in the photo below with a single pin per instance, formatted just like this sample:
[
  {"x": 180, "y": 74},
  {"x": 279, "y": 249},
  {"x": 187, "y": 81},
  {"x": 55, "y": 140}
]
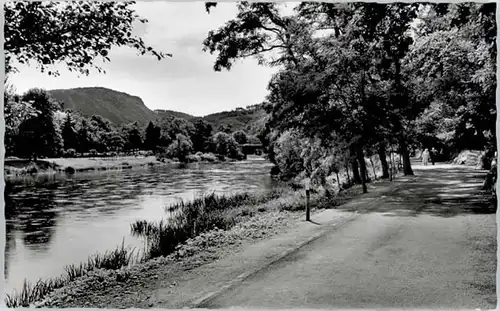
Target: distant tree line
[{"x": 38, "y": 127}]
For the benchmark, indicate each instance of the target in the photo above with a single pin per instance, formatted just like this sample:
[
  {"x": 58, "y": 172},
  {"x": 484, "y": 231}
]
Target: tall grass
[
  {"x": 112, "y": 260},
  {"x": 189, "y": 219}
]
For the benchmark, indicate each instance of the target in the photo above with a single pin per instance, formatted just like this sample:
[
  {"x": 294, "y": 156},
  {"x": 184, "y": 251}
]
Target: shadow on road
[{"x": 441, "y": 190}]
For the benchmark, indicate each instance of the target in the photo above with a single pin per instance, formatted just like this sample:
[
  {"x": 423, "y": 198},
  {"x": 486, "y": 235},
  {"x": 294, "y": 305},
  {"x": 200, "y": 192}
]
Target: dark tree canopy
[{"x": 73, "y": 33}]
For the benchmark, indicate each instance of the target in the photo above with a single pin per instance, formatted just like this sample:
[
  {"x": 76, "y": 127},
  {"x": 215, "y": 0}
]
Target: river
[{"x": 57, "y": 220}]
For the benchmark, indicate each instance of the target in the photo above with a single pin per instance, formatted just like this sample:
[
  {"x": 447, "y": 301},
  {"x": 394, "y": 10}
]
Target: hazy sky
[{"x": 186, "y": 82}]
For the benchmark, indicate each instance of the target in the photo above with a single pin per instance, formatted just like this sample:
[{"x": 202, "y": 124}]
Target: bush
[
  {"x": 209, "y": 157},
  {"x": 70, "y": 153},
  {"x": 193, "y": 158},
  {"x": 288, "y": 158}
]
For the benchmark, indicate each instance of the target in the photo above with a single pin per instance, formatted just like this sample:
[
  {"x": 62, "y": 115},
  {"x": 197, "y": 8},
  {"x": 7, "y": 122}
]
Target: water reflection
[{"x": 57, "y": 220}]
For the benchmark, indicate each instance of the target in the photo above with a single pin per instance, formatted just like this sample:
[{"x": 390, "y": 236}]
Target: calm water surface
[{"x": 59, "y": 220}]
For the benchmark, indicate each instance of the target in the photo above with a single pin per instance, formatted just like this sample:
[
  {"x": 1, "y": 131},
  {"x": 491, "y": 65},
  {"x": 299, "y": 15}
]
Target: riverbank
[
  {"x": 15, "y": 167},
  {"x": 23, "y": 167},
  {"x": 254, "y": 222}
]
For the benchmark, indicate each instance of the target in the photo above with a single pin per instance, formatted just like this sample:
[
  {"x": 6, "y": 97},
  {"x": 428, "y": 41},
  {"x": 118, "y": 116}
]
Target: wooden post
[{"x": 308, "y": 207}]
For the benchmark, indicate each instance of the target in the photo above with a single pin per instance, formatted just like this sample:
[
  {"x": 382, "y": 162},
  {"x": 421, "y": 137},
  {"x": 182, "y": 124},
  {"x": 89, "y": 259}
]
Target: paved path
[{"x": 430, "y": 242}]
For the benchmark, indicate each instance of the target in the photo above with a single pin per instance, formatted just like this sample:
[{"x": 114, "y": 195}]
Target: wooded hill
[{"x": 121, "y": 108}]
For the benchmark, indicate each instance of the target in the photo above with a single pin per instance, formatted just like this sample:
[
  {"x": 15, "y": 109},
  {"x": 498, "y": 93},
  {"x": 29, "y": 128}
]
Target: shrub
[
  {"x": 209, "y": 157},
  {"x": 193, "y": 158},
  {"x": 70, "y": 153}
]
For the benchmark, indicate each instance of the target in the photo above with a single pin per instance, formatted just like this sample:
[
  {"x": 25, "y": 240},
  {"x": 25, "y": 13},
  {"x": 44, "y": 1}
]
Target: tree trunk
[
  {"x": 355, "y": 173},
  {"x": 362, "y": 166},
  {"x": 383, "y": 161},
  {"x": 338, "y": 181},
  {"x": 407, "y": 170},
  {"x": 373, "y": 168},
  {"x": 347, "y": 173},
  {"x": 391, "y": 164}
]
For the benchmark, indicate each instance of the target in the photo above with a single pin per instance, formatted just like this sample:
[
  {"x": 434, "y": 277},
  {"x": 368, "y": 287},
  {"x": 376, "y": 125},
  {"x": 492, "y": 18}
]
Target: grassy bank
[
  {"x": 20, "y": 167},
  {"x": 110, "y": 260},
  {"x": 187, "y": 221},
  {"x": 72, "y": 165}
]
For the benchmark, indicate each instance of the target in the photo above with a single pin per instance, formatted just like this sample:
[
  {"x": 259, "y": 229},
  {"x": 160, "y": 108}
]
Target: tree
[
  {"x": 152, "y": 136},
  {"x": 115, "y": 141},
  {"x": 171, "y": 126},
  {"x": 133, "y": 137},
  {"x": 101, "y": 129},
  {"x": 73, "y": 33},
  {"x": 226, "y": 128},
  {"x": 180, "y": 148},
  {"x": 86, "y": 140},
  {"x": 201, "y": 135},
  {"x": 287, "y": 154},
  {"x": 69, "y": 134},
  {"x": 38, "y": 134},
  {"x": 240, "y": 137},
  {"x": 16, "y": 112},
  {"x": 225, "y": 144},
  {"x": 452, "y": 67},
  {"x": 257, "y": 30}
]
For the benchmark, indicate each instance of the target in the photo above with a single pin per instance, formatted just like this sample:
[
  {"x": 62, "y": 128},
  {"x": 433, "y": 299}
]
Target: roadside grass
[{"x": 112, "y": 260}]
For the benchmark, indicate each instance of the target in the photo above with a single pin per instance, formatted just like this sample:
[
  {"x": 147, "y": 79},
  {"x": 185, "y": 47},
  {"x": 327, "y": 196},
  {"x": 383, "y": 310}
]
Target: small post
[{"x": 308, "y": 207}]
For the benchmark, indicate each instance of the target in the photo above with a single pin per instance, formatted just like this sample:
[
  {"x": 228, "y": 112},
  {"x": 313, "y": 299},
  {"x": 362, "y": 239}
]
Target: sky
[{"x": 186, "y": 82}]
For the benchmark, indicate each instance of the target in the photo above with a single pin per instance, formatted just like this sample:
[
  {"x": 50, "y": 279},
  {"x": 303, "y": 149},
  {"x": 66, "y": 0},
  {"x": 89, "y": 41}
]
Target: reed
[
  {"x": 29, "y": 293},
  {"x": 191, "y": 218}
]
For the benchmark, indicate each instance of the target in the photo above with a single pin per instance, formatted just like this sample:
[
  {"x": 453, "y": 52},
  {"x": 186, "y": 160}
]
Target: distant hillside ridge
[
  {"x": 122, "y": 108},
  {"x": 176, "y": 114},
  {"x": 119, "y": 107},
  {"x": 250, "y": 119}
]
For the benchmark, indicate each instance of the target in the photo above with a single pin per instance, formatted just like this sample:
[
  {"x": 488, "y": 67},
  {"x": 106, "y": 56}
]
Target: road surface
[{"x": 428, "y": 243}]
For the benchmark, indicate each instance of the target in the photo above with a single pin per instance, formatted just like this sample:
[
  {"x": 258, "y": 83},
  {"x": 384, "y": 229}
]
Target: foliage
[
  {"x": 152, "y": 136},
  {"x": 69, "y": 134},
  {"x": 452, "y": 64},
  {"x": 38, "y": 135},
  {"x": 367, "y": 82},
  {"x": 73, "y": 33},
  {"x": 287, "y": 150},
  {"x": 16, "y": 112},
  {"x": 249, "y": 119},
  {"x": 133, "y": 136},
  {"x": 180, "y": 148},
  {"x": 257, "y": 30},
  {"x": 201, "y": 135},
  {"x": 225, "y": 144},
  {"x": 240, "y": 137}
]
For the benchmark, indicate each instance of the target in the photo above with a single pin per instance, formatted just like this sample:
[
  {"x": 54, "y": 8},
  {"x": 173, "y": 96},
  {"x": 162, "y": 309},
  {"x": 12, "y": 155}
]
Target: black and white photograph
[{"x": 319, "y": 155}]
